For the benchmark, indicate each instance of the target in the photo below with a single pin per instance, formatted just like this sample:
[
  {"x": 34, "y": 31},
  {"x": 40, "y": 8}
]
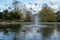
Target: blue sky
[{"x": 55, "y": 6}]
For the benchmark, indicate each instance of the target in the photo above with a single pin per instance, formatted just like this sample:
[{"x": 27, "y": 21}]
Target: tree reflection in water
[
  {"x": 47, "y": 32},
  {"x": 18, "y": 32},
  {"x": 11, "y": 28}
]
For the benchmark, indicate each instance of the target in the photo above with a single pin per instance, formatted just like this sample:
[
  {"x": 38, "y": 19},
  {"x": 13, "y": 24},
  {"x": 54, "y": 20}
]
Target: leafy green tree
[
  {"x": 5, "y": 14},
  {"x": 1, "y": 15},
  {"x": 47, "y": 14},
  {"x": 58, "y": 16},
  {"x": 14, "y": 15},
  {"x": 11, "y": 16}
]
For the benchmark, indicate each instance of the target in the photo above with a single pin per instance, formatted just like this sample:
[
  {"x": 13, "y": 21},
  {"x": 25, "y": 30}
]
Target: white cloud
[
  {"x": 38, "y": 1},
  {"x": 36, "y": 8},
  {"x": 55, "y": 7},
  {"x": 2, "y": 7},
  {"x": 55, "y": 1}
]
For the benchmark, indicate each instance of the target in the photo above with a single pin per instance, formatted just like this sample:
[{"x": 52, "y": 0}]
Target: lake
[{"x": 30, "y": 32}]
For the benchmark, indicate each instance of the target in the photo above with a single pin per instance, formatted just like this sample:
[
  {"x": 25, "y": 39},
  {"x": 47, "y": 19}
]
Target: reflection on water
[
  {"x": 8, "y": 32},
  {"x": 19, "y": 32},
  {"x": 47, "y": 31}
]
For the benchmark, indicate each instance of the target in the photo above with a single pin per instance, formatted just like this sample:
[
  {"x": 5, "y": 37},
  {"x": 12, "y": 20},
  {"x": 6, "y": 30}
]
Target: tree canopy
[{"x": 47, "y": 14}]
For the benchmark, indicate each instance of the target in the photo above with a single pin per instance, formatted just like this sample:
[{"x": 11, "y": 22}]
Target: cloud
[
  {"x": 38, "y": 1},
  {"x": 55, "y": 7},
  {"x": 55, "y": 1},
  {"x": 36, "y": 8},
  {"x": 2, "y": 7}
]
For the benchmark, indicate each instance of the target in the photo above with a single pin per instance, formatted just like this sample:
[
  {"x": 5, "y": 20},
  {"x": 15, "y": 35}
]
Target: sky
[{"x": 55, "y": 4}]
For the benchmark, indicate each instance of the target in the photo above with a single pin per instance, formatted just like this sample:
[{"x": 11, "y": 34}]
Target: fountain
[
  {"x": 36, "y": 19},
  {"x": 34, "y": 29},
  {"x": 37, "y": 23},
  {"x": 56, "y": 31}
]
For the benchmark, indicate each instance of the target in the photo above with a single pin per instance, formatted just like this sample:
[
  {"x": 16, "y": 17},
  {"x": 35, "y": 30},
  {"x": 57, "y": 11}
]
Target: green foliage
[
  {"x": 58, "y": 16},
  {"x": 5, "y": 14},
  {"x": 47, "y": 14},
  {"x": 5, "y": 11},
  {"x": 10, "y": 15},
  {"x": 14, "y": 15},
  {"x": 28, "y": 16},
  {"x": 1, "y": 14}
]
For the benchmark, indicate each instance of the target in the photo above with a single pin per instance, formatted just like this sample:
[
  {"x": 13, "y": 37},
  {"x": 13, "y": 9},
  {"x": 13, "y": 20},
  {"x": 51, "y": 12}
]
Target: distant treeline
[
  {"x": 9, "y": 15},
  {"x": 14, "y": 15}
]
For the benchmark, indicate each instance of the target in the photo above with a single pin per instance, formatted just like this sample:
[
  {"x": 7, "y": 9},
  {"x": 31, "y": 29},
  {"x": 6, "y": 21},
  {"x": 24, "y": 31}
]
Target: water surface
[{"x": 28, "y": 32}]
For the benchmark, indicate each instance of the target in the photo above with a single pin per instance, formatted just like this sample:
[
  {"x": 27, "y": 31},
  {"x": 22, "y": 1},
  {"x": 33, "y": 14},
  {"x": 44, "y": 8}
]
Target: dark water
[{"x": 28, "y": 32}]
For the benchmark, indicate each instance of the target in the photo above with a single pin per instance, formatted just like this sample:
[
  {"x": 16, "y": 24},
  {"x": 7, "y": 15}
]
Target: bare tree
[{"x": 16, "y": 4}]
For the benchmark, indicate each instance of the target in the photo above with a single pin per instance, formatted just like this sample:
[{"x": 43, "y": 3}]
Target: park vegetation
[
  {"x": 47, "y": 14},
  {"x": 6, "y": 15},
  {"x": 16, "y": 14},
  {"x": 58, "y": 16}
]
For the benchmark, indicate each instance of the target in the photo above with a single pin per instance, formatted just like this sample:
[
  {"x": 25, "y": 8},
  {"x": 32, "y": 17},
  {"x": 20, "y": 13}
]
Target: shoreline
[{"x": 29, "y": 22}]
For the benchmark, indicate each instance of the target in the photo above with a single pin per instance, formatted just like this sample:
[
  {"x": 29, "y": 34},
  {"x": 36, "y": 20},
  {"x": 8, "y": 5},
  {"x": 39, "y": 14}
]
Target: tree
[
  {"x": 16, "y": 15},
  {"x": 11, "y": 15},
  {"x": 17, "y": 12},
  {"x": 47, "y": 14},
  {"x": 1, "y": 15},
  {"x": 16, "y": 4},
  {"x": 5, "y": 14},
  {"x": 28, "y": 16},
  {"x": 58, "y": 16}
]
